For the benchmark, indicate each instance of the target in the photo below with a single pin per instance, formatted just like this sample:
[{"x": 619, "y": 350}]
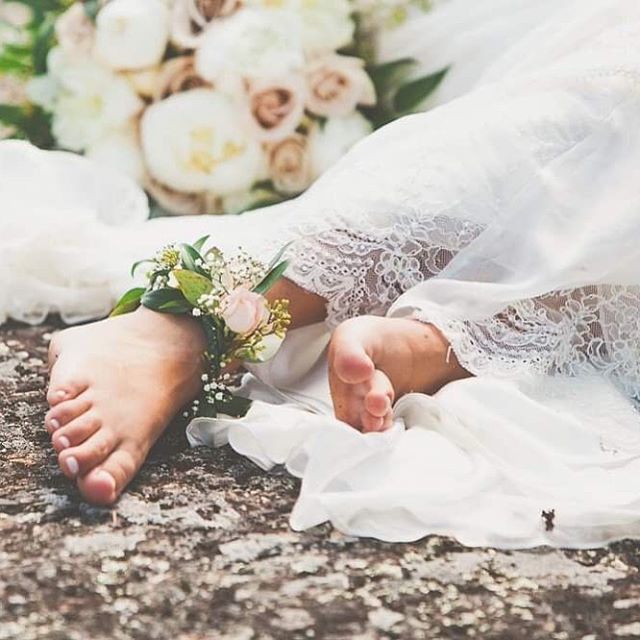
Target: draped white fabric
[{"x": 508, "y": 216}]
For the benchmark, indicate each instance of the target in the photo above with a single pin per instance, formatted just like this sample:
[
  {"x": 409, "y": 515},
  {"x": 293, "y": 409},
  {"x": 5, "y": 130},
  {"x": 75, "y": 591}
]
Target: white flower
[
  {"x": 75, "y": 31},
  {"x": 120, "y": 150},
  {"x": 190, "y": 18},
  {"x": 132, "y": 34},
  {"x": 328, "y": 143},
  {"x": 14, "y": 17},
  {"x": 325, "y": 25},
  {"x": 337, "y": 85},
  {"x": 43, "y": 91},
  {"x": 289, "y": 165},
  {"x": 249, "y": 44},
  {"x": 194, "y": 141},
  {"x": 276, "y": 106},
  {"x": 89, "y": 102}
]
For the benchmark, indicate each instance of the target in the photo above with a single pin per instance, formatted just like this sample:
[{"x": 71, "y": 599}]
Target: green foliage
[
  {"x": 400, "y": 94},
  {"x": 192, "y": 285},
  {"x": 29, "y": 59},
  {"x": 129, "y": 302},
  {"x": 166, "y": 300},
  {"x": 272, "y": 277}
]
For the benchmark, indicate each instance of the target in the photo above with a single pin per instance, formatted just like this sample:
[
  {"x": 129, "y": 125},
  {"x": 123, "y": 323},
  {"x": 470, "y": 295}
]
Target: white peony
[
  {"x": 325, "y": 25},
  {"x": 120, "y": 150},
  {"x": 132, "y": 34},
  {"x": 196, "y": 142},
  {"x": 14, "y": 18},
  {"x": 249, "y": 44},
  {"x": 329, "y": 142},
  {"x": 89, "y": 101}
]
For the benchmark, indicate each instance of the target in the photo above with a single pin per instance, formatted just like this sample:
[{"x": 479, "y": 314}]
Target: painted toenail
[
  {"x": 55, "y": 425},
  {"x": 72, "y": 466},
  {"x": 64, "y": 443}
]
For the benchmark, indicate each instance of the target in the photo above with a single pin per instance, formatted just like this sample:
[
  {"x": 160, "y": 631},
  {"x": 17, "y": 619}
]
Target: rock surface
[{"x": 199, "y": 549}]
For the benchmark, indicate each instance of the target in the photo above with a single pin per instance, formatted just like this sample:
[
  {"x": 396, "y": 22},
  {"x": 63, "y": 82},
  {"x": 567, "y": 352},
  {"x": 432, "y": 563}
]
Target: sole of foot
[{"x": 375, "y": 361}]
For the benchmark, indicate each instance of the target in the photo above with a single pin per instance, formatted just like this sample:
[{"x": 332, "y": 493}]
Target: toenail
[
  {"x": 107, "y": 476},
  {"x": 64, "y": 443},
  {"x": 61, "y": 394},
  {"x": 72, "y": 466},
  {"x": 55, "y": 425}
]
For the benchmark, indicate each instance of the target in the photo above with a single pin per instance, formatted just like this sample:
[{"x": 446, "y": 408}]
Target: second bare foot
[{"x": 374, "y": 361}]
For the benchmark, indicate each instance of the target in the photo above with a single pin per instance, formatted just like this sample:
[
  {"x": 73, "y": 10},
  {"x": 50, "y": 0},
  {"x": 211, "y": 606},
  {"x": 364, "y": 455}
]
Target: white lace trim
[
  {"x": 572, "y": 332},
  {"x": 364, "y": 272}
]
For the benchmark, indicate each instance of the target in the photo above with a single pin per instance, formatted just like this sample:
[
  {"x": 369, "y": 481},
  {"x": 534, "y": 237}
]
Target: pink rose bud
[{"x": 245, "y": 311}]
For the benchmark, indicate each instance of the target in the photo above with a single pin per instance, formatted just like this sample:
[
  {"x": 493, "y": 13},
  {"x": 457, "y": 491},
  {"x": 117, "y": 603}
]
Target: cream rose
[
  {"x": 276, "y": 106},
  {"x": 177, "y": 75},
  {"x": 88, "y": 101},
  {"x": 191, "y": 17},
  {"x": 249, "y": 44},
  {"x": 75, "y": 31},
  {"x": 337, "y": 85},
  {"x": 132, "y": 34},
  {"x": 329, "y": 142},
  {"x": 196, "y": 142},
  {"x": 245, "y": 311},
  {"x": 289, "y": 165}
]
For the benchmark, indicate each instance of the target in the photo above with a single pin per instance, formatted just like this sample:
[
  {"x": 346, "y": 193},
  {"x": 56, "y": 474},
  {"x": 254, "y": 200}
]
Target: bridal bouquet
[
  {"x": 214, "y": 106},
  {"x": 226, "y": 293}
]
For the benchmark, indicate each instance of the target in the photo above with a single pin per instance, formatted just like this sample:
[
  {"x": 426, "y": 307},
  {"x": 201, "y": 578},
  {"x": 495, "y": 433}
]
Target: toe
[
  {"x": 371, "y": 423},
  {"x": 104, "y": 484},
  {"x": 79, "y": 460},
  {"x": 379, "y": 398},
  {"x": 66, "y": 411},
  {"x": 76, "y": 432},
  {"x": 348, "y": 356},
  {"x": 63, "y": 384}
]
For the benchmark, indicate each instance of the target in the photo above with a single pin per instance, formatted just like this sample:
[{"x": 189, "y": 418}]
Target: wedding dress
[{"x": 508, "y": 216}]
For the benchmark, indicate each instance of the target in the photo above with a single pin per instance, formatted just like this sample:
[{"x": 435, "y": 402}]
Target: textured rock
[{"x": 199, "y": 549}]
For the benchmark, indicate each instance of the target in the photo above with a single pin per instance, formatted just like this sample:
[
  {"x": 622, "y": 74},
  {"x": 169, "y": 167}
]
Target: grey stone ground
[{"x": 199, "y": 548}]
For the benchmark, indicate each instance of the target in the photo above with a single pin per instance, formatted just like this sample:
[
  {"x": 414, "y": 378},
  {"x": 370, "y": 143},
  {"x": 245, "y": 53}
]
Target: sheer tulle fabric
[{"x": 508, "y": 217}]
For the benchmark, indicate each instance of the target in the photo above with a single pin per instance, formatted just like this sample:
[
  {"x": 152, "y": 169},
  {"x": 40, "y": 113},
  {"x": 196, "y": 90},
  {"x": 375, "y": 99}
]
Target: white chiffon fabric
[{"x": 509, "y": 216}]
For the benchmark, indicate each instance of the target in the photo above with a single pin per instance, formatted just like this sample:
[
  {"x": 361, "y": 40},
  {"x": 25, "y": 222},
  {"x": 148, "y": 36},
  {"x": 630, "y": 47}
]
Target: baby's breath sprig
[{"x": 227, "y": 295}]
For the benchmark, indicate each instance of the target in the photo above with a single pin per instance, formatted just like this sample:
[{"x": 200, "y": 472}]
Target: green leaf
[
  {"x": 200, "y": 242},
  {"x": 272, "y": 277},
  {"x": 390, "y": 74},
  {"x": 236, "y": 407},
  {"x": 42, "y": 44},
  {"x": 135, "y": 266},
  {"x": 166, "y": 301},
  {"x": 189, "y": 256},
  {"x": 129, "y": 302},
  {"x": 91, "y": 8},
  {"x": 192, "y": 285},
  {"x": 410, "y": 96},
  {"x": 10, "y": 115},
  {"x": 276, "y": 259}
]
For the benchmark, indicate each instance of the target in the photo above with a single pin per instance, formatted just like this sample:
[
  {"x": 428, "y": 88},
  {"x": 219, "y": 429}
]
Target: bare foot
[
  {"x": 115, "y": 385},
  {"x": 375, "y": 361}
]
